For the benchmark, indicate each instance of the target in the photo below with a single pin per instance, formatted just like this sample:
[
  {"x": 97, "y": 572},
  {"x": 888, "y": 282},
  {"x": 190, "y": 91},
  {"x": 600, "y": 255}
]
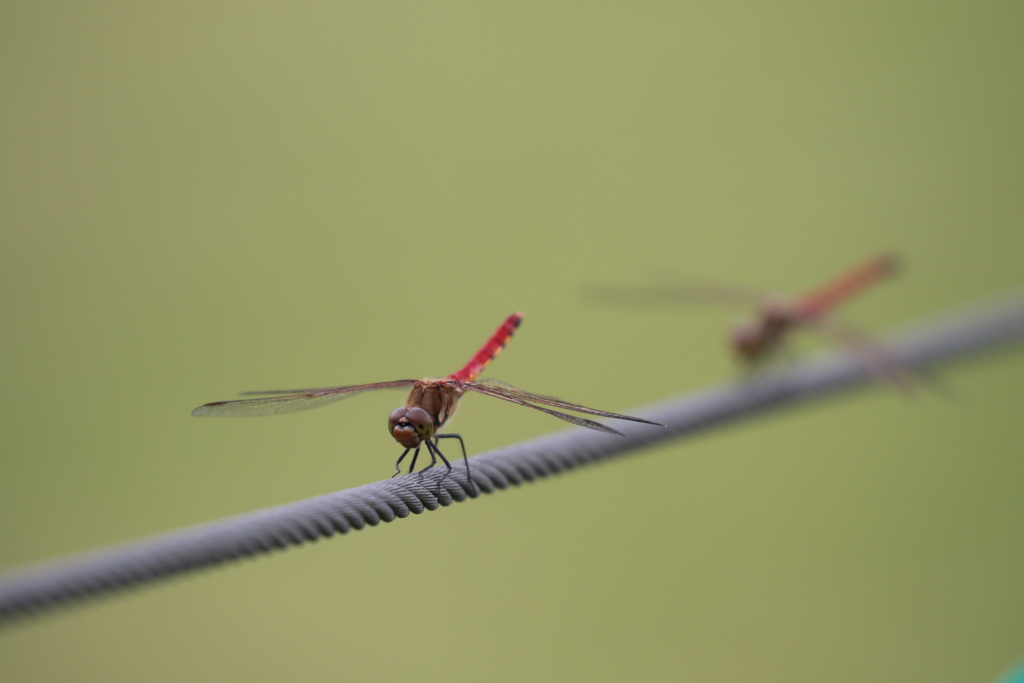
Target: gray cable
[{"x": 28, "y": 589}]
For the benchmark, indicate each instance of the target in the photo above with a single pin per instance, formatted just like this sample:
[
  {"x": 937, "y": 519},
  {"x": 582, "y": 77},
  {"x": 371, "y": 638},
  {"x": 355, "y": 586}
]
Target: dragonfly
[
  {"x": 430, "y": 405},
  {"x": 776, "y": 316}
]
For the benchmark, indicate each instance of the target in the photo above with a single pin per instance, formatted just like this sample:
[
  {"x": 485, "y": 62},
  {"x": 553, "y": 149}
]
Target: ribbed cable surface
[{"x": 28, "y": 589}]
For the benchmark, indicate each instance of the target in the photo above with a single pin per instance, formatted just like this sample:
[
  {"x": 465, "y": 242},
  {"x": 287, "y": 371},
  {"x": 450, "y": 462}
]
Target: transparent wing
[
  {"x": 677, "y": 293},
  {"x": 302, "y": 399},
  {"x": 506, "y": 392},
  {"x": 878, "y": 359}
]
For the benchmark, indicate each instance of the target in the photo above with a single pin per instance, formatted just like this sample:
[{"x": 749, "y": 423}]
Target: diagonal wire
[{"x": 25, "y": 590}]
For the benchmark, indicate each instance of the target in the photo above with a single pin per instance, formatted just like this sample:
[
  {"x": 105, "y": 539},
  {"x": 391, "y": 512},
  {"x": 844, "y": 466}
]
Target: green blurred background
[{"x": 203, "y": 198}]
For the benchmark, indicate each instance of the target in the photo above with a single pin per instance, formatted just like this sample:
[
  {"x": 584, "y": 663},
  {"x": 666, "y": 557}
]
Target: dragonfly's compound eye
[
  {"x": 396, "y": 415},
  {"x": 420, "y": 419}
]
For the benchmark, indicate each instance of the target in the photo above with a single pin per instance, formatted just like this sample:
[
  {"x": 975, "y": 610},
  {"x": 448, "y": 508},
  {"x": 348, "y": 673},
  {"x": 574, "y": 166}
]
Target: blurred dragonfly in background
[
  {"x": 431, "y": 403},
  {"x": 776, "y": 316}
]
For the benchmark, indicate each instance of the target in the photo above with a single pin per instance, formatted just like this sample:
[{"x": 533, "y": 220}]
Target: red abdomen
[
  {"x": 489, "y": 350},
  {"x": 850, "y": 283}
]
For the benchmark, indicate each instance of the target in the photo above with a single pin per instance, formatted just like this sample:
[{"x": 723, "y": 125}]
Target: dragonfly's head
[
  {"x": 410, "y": 427},
  {"x": 755, "y": 338},
  {"x": 748, "y": 339}
]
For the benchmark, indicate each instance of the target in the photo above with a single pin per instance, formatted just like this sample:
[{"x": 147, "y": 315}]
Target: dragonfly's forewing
[
  {"x": 678, "y": 293},
  {"x": 305, "y": 400},
  {"x": 579, "y": 421},
  {"x": 873, "y": 355},
  {"x": 509, "y": 390},
  {"x": 506, "y": 392}
]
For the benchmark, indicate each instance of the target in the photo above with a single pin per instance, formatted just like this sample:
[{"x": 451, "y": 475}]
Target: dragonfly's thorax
[
  {"x": 436, "y": 396},
  {"x": 756, "y": 337},
  {"x": 430, "y": 405}
]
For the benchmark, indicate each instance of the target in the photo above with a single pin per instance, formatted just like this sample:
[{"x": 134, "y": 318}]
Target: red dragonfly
[
  {"x": 430, "y": 405},
  {"x": 776, "y": 316}
]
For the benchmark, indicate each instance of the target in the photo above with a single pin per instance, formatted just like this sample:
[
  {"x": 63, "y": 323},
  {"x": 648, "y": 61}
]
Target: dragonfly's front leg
[
  {"x": 398, "y": 470},
  {"x": 415, "y": 455}
]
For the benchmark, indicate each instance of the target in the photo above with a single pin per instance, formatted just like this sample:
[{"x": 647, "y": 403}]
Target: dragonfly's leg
[
  {"x": 433, "y": 458},
  {"x": 787, "y": 354},
  {"x": 435, "y": 450},
  {"x": 415, "y": 455},
  {"x": 464, "y": 456},
  {"x": 398, "y": 470},
  {"x": 754, "y": 370}
]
